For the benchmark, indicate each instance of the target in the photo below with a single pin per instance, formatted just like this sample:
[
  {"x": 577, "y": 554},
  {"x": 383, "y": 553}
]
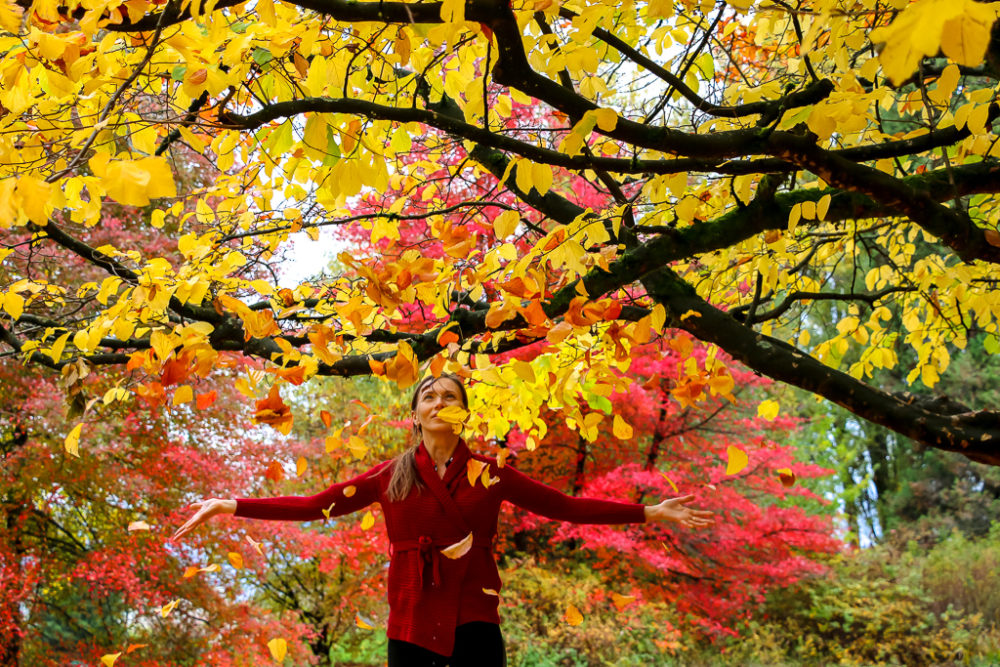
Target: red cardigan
[{"x": 430, "y": 594}]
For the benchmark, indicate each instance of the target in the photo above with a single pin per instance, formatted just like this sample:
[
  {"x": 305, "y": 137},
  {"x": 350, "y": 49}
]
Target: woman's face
[{"x": 441, "y": 393}]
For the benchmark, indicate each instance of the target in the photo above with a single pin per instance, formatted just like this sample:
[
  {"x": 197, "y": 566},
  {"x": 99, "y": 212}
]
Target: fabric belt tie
[{"x": 429, "y": 553}]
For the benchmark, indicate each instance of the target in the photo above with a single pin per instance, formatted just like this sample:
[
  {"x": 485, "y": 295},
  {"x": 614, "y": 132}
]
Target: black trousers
[{"x": 477, "y": 644}]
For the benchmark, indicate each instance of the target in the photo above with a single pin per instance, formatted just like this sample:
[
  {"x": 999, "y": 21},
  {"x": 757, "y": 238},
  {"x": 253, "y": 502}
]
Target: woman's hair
[{"x": 404, "y": 467}]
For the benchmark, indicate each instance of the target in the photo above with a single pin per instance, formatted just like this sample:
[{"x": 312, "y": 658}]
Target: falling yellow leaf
[
  {"x": 490, "y": 591},
  {"x": 474, "y": 468},
  {"x": 362, "y": 623},
  {"x": 768, "y": 409},
  {"x": 690, "y": 313},
  {"x": 737, "y": 460},
  {"x": 458, "y": 549},
  {"x": 367, "y": 521},
  {"x": 621, "y": 428},
  {"x": 235, "y": 559},
  {"x": 326, "y": 512},
  {"x": 670, "y": 482},
  {"x": 169, "y": 607},
  {"x": 573, "y": 616},
  {"x": 138, "y": 525},
  {"x": 73, "y": 441},
  {"x": 786, "y": 476},
  {"x": 621, "y": 601},
  {"x": 487, "y": 480},
  {"x": 109, "y": 659},
  {"x": 300, "y": 466},
  {"x": 193, "y": 570},
  {"x": 278, "y": 648},
  {"x": 349, "y": 491}
]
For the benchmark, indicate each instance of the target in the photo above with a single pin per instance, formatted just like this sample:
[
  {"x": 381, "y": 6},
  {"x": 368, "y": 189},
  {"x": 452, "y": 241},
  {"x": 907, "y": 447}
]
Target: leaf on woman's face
[
  {"x": 458, "y": 549},
  {"x": 453, "y": 414}
]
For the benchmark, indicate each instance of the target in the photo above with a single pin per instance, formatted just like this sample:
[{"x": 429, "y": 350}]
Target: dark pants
[{"x": 477, "y": 644}]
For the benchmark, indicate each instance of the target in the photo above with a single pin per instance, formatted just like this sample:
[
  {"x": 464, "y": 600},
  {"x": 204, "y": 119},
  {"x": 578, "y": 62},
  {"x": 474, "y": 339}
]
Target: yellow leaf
[
  {"x": 453, "y": 11},
  {"x": 768, "y": 409},
  {"x": 72, "y": 443},
  {"x": 10, "y": 20},
  {"x": 607, "y": 119},
  {"x": 138, "y": 525},
  {"x": 490, "y": 591},
  {"x": 965, "y": 38},
  {"x": 523, "y": 370},
  {"x": 349, "y": 491},
  {"x": 367, "y": 521},
  {"x": 326, "y": 512},
  {"x": 190, "y": 571},
  {"x": 458, "y": 549},
  {"x": 573, "y": 616},
  {"x": 13, "y": 305},
  {"x": 183, "y": 394},
  {"x": 362, "y": 623},
  {"x": 278, "y": 648},
  {"x": 34, "y": 195},
  {"x": 670, "y": 482},
  {"x": 622, "y": 429},
  {"x": 505, "y": 224},
  {"x": 822, "y": 207},
  {"x": 737, "y": 460},
  {"x": 169, "y": 607},
  {"x": 135, "y": 182},
  {"x": 235, "y": 559},
  {"x": 960, "y": 28},
  {"x": 300, "y": 466},
  {"x": 109, "y": 659}
]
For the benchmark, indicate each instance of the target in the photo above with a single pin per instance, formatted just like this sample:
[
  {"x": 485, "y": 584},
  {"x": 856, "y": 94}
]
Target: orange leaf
[
  {"x": 235, "y": 559},
  {"x": 326, "y": 417},
  {"x": 474, "y": 468},
  {"x": 621, "y": 601},
  {"x": 573, "y": 616},
  {"x": 349, "y": 491},
  {"x": 206, "y": 399},
  {"x": 786, "y": 476}
]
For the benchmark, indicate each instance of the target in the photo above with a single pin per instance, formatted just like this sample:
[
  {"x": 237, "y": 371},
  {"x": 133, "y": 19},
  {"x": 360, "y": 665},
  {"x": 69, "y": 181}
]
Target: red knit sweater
[{"x": 430, "y": 594}]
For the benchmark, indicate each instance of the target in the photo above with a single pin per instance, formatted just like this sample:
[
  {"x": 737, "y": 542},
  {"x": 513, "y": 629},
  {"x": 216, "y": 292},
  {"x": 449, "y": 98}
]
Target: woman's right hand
[{"x": 206, "y": 510}]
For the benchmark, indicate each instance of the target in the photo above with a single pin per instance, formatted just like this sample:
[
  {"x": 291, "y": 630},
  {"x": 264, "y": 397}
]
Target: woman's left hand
[{"x": 674, "y": 510}]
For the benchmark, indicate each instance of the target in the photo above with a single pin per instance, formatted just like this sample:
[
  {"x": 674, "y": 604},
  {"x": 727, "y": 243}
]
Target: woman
[{"x": 443, "y": 579}]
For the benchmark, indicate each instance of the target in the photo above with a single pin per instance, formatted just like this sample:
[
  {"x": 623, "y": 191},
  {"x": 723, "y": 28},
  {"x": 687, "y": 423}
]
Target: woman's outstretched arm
[
  {"x": 341, "y": 498},
  {"x": 541, "y": 499}
]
